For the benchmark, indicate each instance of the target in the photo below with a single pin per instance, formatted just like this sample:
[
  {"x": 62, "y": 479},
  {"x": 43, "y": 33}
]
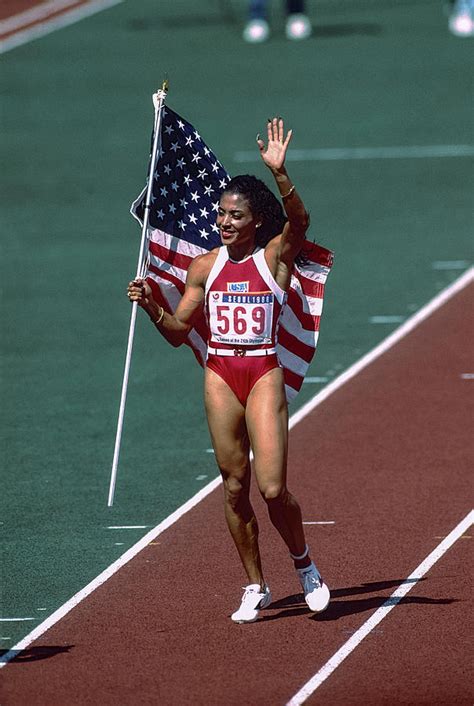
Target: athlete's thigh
[
  {"x": 227, "y": 425},
  {"x": 267, "y": 424}
]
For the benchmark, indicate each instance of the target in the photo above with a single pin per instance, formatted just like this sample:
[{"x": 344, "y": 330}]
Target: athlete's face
[{"x": 236, "y": 222}]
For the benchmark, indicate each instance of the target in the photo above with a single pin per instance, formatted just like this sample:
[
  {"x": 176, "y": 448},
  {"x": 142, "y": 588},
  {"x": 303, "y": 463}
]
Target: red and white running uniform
[{"x": 243, "y": 307}]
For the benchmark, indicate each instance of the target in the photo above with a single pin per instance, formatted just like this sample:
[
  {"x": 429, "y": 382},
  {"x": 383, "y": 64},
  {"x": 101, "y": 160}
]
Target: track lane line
[
  {"x": 39, "y": 27},
  {"x": 37, "y": 13},
  {"x": 336, "y": 660},
  {"x": 357, "y": 153},
  {"x": 387, "y": 343}
]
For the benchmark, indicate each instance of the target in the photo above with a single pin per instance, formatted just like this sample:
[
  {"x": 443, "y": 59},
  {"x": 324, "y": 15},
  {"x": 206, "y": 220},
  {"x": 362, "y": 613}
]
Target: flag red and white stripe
[{"x": 299, "y": 325}]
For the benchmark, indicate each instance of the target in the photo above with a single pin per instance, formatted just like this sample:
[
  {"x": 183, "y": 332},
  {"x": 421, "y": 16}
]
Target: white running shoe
[
  {"x": 252, "y": 601},
  {"x": 316, "y": 593},
  {"x": 461, "y": 20},
  {"x": 298, "y": 26},
  {"x": 256, "y": 31}
]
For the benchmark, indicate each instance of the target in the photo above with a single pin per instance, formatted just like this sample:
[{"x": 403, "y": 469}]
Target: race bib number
[{"x": 241, "y": 319}]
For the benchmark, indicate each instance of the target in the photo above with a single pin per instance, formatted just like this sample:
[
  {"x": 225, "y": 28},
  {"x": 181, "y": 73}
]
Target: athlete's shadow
[
  {"x": 339, "y": 609},
  {"x": 34, "y": 654},
  {"x": 294, "y": 605},
  {"x": 371, "y": 586}
]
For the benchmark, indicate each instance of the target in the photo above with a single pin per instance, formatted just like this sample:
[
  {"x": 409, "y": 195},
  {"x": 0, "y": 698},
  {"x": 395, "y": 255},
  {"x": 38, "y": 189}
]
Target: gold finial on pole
[{"x": 165, "y": 85}]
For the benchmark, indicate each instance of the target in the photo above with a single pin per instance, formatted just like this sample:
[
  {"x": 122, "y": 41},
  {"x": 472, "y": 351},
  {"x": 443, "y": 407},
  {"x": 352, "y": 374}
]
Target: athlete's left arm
[{"x": 273, "y": 154}]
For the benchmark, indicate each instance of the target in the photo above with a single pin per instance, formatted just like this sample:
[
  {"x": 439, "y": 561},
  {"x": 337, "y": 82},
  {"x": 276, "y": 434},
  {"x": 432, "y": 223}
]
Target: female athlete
[{"x": 241, "y": 286}]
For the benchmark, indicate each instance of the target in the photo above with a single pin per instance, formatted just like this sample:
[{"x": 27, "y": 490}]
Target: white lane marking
[
  {"x": 387, "y": 319},
  {"x": 15, "y": 620},
  {"x": 209, "y": 451},
  {"x": 120, "y": 527},
  {"x": 349, "y": 153},
  {"x": 333, "y": 663},
  {"x": 34, "y": 14},
  {"x": 321, "y": 522},
  {"x": 467, "y": 376},
  {"x": 463, "y": 281},
  {"x": 351, "y": 372},
  {"x": 450, "y": 264},
  {"x": 351, "y": 631},
  {"x": 201, "y": 477},
  {"x": 315, "y": 379},
  {"x": 45, "y": 27}
]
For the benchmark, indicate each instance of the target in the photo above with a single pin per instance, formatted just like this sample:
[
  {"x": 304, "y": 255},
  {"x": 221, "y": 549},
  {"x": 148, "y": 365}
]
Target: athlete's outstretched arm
[
  {"x": 174, "y": 327},
  {"x": 273, "y": 155}
]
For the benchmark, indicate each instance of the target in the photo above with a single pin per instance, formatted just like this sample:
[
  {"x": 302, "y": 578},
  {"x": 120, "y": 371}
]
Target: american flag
[{"x": 187, "y": 184}]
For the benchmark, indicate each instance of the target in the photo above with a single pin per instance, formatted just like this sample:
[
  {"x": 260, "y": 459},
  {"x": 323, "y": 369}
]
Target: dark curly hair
[{"x": 264, "y": 204}]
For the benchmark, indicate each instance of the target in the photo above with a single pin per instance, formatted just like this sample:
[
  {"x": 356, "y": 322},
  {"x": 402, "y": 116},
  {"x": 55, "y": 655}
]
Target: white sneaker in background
[
  {"x": 256, "y": 31},
  {"x": 461, "y": 19},
  {"x": 253, "y": 600},
  {"x": 298, "y": 26}
]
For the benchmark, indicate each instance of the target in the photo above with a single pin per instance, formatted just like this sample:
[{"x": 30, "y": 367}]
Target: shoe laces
[
  {"x": 311, "y": 581},
  {"x": 250, "y": 593}
]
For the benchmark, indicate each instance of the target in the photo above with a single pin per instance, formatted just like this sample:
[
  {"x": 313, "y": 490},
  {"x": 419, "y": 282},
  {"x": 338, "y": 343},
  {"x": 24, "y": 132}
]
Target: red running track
[
  {"x": 10, "y": 8},
  {"x": 386, "y": 458},
  {"x": 18, "y": 16}
]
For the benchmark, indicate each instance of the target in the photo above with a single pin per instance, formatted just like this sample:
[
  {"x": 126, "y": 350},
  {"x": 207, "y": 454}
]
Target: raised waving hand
[{"x": 274, "y": 153}]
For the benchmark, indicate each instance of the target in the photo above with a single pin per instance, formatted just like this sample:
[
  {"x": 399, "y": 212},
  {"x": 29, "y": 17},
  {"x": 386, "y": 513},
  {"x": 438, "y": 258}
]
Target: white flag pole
[{"x": 158, "y": 102}]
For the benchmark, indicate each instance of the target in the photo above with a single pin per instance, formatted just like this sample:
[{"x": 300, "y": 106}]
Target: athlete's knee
[
  {"x": 236, "y": 490},
  {"x": 274, "y": 493}
]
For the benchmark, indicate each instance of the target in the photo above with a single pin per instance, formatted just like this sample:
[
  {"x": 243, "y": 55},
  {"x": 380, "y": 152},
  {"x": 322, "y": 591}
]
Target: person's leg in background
[
  {"x": 257, "y": 28},
  {"x": 298, "y": 25}
]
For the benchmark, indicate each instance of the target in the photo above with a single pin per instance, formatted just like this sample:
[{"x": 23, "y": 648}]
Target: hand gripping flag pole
[{"x": 158, "y": 102}]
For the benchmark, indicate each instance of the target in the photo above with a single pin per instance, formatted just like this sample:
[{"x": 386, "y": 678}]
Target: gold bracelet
[
  {"x": 285, "y": 196},
  {"x": 160, "y": 318}
]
